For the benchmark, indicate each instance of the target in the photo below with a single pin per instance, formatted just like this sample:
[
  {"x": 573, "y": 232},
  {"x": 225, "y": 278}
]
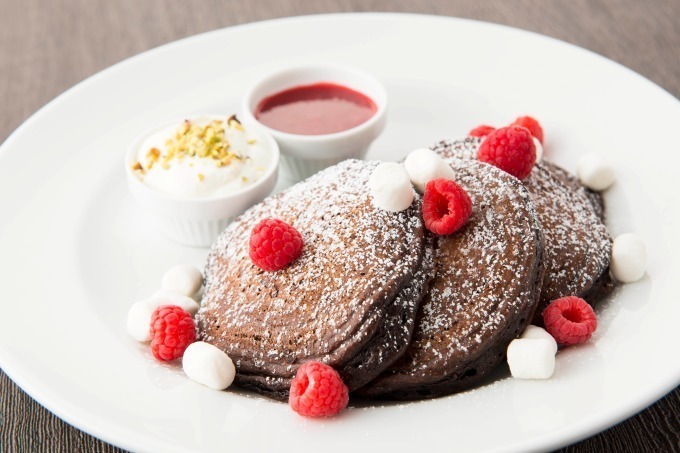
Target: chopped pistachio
[
  {"x": 198, "y": 140},
  {"x": 152, "y": 157},
  {"x": 235, "y": 123}
]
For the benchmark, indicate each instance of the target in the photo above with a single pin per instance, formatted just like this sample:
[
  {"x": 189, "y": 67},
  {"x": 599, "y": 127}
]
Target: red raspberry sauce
[{"x": 317, "y": 109}]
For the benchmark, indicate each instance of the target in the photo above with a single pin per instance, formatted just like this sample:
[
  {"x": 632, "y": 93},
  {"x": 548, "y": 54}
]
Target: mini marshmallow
[
  {"x": 423, "y": 165},
  {"x": 537, "y": 333},
  {"x": 595, "y": 173},
  {"x": 390, "y": 187},
  {"x": 183, "y": 279},
  {"x": 207, "y": 365},
  {"x": 629, "y": 258},
  {"x": 166, "y": 297},
  {"x": 539, "y": 149},
  {"x": 139, "y": 319},
  {"x": 531, "y": 358}
]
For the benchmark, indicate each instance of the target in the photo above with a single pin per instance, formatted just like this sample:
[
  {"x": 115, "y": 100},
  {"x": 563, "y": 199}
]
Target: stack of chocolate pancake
[
  {"x": 350, "y": 300},
  {"x": 577, "y": 244},
  {"x": 487, "y": 283},
  {"x": 400, "y": 313}
]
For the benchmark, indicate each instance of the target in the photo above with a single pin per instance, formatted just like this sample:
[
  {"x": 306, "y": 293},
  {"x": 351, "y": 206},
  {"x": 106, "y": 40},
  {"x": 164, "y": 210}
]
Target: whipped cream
[{"x": 202, "y": 157}]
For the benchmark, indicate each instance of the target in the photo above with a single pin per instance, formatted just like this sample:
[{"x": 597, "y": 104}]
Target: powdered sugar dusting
[
  {"x": 331, "y": 301},
  {"x": 578, "y": 245},
  {"x": 487, "y": 278}
]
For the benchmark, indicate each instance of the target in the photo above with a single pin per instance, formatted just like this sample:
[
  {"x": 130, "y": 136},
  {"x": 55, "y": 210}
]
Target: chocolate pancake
[
  {"x": 577, "y": 243},
  {"x": 484, "y": 293},
  {"x": 350, "y": 300}
]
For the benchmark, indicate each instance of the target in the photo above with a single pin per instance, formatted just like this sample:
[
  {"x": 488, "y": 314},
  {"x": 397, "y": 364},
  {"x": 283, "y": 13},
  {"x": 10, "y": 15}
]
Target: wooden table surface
[{"x": 48, "y": 46}]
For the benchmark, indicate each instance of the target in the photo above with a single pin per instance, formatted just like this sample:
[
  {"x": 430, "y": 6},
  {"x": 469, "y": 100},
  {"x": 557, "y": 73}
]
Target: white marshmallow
[
  {"x": 537, "y": 333},
  {"x": 139, "y": 319},
  {"x": 629, "y": 258},
  {"x": 166, "y": 297},
  {"x": 390, "y": 187},
  {"x": 539, "y": 149},
  {"x": 207, "y": 365},
  {"x": 595, "y": 172},
  {"x": 423, "y": 165},
  {"x": 531, "y": 358},
  {"x": 183, "y": 279}
]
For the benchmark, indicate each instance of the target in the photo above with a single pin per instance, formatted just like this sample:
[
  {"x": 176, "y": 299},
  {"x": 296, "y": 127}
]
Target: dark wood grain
[{"x": 48, "y": 46}]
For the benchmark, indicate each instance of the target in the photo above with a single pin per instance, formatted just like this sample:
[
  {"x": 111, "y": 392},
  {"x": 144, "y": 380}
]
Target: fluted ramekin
[{"x": 198, "y": 221}]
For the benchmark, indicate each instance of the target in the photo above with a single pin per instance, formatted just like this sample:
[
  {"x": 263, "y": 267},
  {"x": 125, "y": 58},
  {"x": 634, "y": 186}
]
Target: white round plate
[{"x": 76, "y": 252}]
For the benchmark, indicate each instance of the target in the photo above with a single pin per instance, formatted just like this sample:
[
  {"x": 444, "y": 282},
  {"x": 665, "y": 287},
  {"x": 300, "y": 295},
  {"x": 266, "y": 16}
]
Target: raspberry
[
  {"x": 172, "y": 331},
  {"x": 317, "y": 391},
  {"x": 531, "y": 124},
  {"x": 481, "y": 131},
  {"x": 446, "y": 206},
  {"x": 570, "y": 320},
  {"x": 274, "y": 244},
  {"x": 511, "y": 149}
]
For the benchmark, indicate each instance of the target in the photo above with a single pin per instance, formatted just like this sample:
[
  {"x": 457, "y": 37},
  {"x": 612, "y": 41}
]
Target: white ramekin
[
  {"x": 198, "y": 221},
  {"x": 304, "y": 155}
]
